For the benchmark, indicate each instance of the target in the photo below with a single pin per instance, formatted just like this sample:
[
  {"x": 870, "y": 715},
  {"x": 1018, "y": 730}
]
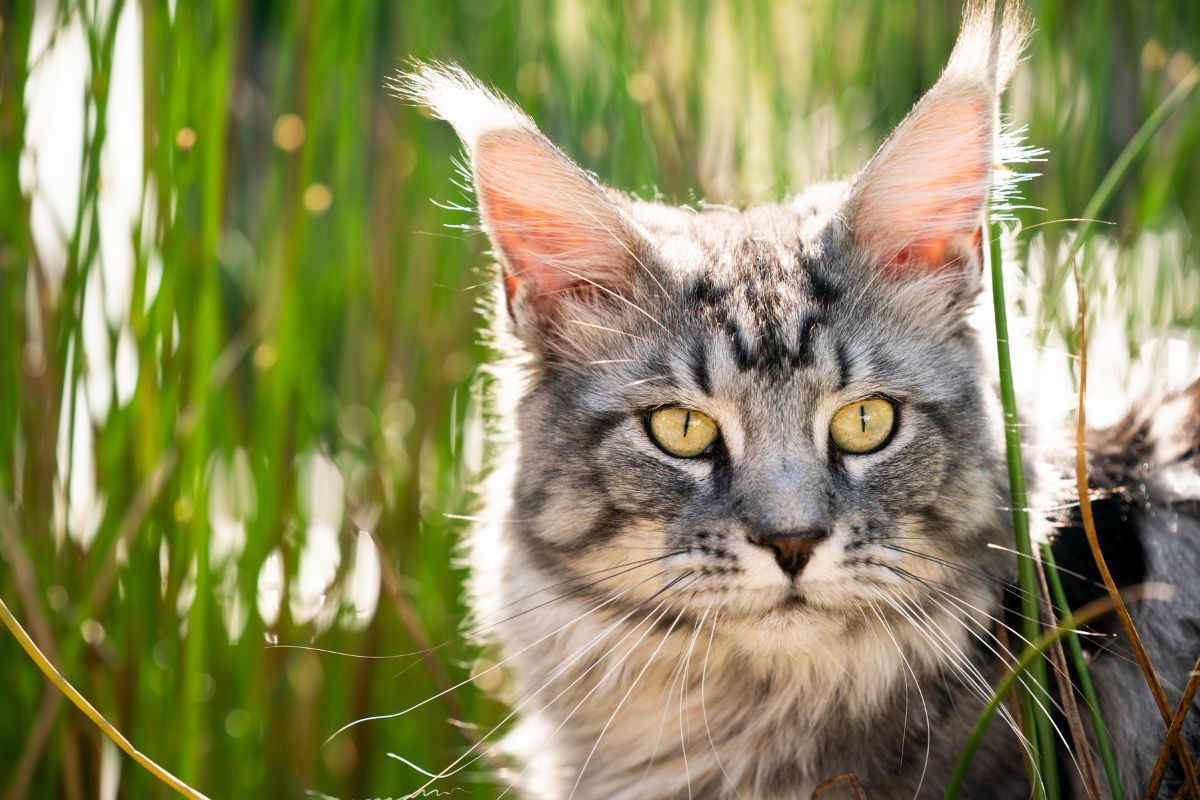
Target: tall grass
[{"x": 236, "y": 339}]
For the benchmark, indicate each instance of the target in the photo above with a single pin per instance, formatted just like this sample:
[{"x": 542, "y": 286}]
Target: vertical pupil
[
  {"x": 687, "y": 423},
  {"x": 862, "y": 417}
]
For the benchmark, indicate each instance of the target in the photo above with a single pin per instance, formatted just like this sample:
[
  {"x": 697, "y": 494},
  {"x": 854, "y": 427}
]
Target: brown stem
[
  {"x": 1066, "y": 693},
  {"x": 1181, "y": 712},
  {"x": 848, "y": 778}
]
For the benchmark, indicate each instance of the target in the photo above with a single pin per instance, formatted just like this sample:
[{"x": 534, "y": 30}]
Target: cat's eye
[
  {"x": 683, "y": 432},
  {"x": 863, "y": 426}
]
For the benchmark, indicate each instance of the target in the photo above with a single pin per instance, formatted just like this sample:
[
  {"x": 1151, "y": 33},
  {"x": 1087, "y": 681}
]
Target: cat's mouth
[{"x": 793, "y": 602}]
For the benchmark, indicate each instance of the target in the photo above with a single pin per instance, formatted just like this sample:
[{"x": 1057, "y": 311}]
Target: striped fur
[{"x": 651, "y": 649}]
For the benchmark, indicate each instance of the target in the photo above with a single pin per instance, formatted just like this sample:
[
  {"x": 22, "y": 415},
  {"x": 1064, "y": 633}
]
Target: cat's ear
[
  {"x": 559, "y": 236},
  {"x": 919, "y": 206}
]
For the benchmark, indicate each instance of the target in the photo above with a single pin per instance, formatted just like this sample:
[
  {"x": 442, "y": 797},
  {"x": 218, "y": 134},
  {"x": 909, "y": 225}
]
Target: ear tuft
[
  {"x": 919, "y": 205},
  {"x": 976, "y": 55},
  {"x": 453, "y": 95}
]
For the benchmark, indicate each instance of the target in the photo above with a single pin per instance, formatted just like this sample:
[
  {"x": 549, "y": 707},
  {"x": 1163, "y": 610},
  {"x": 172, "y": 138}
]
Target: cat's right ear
[
  {"x": 919, "y": 206},
  {"x": 559, "y": 236}
]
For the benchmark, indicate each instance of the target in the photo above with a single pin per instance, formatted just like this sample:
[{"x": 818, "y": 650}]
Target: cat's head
[{"x": 779, "y": 413}]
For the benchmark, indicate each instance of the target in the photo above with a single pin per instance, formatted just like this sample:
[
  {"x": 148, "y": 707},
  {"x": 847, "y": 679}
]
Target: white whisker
[
  {"x": 704, "y": 708},
  {"x": 624, "y": 697},
  {"x": 924, "y": 707},
  {"x": 492, "y": 668},
  {"x": 597, "y": 662},
  {"x": 606, "y": 328}
]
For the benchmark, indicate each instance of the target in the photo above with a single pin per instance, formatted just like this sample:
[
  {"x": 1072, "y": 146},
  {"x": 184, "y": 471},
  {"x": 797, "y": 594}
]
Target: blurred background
[{"x": 239, "y": 385}]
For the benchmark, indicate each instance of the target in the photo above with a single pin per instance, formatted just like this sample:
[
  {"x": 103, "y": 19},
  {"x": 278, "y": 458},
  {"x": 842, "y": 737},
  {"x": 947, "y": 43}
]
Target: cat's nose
[{"x": 792, "y": 548}]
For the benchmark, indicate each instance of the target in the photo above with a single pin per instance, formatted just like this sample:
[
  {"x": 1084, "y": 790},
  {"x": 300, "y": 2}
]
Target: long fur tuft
[{"x": 454, "y": 95}]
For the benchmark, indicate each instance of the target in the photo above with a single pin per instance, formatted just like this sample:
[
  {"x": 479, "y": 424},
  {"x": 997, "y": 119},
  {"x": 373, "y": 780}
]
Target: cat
[{"x": 736, "y": 541}]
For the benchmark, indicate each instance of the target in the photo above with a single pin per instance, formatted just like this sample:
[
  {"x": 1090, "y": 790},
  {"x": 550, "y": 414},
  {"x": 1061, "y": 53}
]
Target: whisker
[
  {"x": 932, "y": 633},
  {"x": 683, "y": 700},
  {"x": 477, "y": 518},
  {"x": 987, "y": 688},
  {"x": 455, "y": 767},
  {"x": 611, "y": 669},
  {"x": 704, "y": 708},
  {"x": 618, "y": 296},
  {"x": 980, "y": 686},
  {"x": 492, "y": 668},
  {"x": 624, "y": 569},
  {"x": 1038, "y": 559},
  {"x": 475, "y": 632},
  {"x": 621, "y": 702},
  {"x": 606, "y": 328},
  {"x": 632, "y": 254},
  {"x": 664, "y": 701},
  {"x": 957, "y": 567},
  {"x": 920, "y": 692},
  {"x": 631, "y": 384}
]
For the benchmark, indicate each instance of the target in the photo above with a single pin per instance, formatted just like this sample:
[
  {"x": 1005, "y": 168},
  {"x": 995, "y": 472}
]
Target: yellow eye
[
  {"x": 683, "y": 432},
  {"x": 863, "y": 426}
]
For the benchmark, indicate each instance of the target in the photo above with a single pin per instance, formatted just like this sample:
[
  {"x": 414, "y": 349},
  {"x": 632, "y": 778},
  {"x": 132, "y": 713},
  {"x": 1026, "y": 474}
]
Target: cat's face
[
  {"x": 817, "y": 352},
  {"x": 768, "y": 323}
]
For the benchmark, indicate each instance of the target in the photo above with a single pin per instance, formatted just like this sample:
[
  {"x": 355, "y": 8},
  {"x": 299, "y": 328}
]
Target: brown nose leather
[{"x": 792, "y": 548}]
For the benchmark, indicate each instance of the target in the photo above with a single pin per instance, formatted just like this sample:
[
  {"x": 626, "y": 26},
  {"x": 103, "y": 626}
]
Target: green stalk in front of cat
[
  {"x": 1033, "y": 654},
  {"x": 1035, "y": 702},
  {"x": 1082, "y": 675}
]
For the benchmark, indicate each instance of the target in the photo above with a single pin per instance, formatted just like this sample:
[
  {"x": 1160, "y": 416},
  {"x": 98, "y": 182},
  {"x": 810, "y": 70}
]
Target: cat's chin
[
  {"x": 793, "y": 602},
  {"x": 791, "y": 626},
  {"x": 800, "y": 608},
  {"x": 791, "y": 607}
]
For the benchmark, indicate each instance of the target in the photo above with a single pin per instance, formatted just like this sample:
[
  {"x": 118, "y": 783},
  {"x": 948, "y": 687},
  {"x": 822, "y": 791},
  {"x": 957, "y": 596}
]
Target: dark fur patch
[
  {"x": 606, "y": 524},
  {"x": 844, "y": 364},
  {"x": 805, "y": 354},
  {"x": 707, "y": 295},
  {"x": 597, "y": 427},
  {"x": 699, "y": 366},
  {"x": 823, "y": 292},
  {"x": 742, "y": 352},
  {"x": 1117, "y": 531}
]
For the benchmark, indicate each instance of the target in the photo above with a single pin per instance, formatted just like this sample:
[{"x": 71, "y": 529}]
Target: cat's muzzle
[{"x": 791, "y": 548}]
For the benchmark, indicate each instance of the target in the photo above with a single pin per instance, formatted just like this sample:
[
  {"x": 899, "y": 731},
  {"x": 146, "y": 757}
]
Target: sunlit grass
[{"x": 257, "y": 324}]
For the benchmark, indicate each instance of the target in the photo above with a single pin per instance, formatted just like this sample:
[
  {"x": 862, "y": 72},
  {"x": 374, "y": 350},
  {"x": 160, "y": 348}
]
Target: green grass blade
[
  {"x": 1116, "y": 174},
  {"x": 1036, "y": 708},
  {"x": 1083, "y": 675},
  {"x": 1030, "y": 656}
]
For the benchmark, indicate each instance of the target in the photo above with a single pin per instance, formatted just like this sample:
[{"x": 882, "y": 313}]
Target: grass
[
  {"x": 254, "y": 324},
  {"x": 1034, "y": 698}
]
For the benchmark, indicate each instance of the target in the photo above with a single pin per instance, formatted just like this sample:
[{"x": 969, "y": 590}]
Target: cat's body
[{"x": 780, "y": 608}]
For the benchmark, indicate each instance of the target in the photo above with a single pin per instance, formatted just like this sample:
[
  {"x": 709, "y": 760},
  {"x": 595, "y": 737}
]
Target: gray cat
[{"x": 736, "y": 541}]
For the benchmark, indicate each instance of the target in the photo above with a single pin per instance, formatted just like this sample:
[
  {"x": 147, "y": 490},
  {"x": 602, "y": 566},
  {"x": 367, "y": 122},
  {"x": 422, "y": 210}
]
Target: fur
[{"x": 651, "y": 649}]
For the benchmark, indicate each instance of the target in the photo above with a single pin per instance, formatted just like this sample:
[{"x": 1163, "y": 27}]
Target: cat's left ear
[
  {"x": 918, "y": 207},
  {"x": 560, "y": 237}
]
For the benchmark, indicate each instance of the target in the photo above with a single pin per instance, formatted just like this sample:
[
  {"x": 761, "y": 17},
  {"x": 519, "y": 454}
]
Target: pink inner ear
[
  {"x": 533, "y": 240},
  {"x": 921, "y": 200},
  {"x": 554, "y": 228},
  {"x": 935, "y": 253}
]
